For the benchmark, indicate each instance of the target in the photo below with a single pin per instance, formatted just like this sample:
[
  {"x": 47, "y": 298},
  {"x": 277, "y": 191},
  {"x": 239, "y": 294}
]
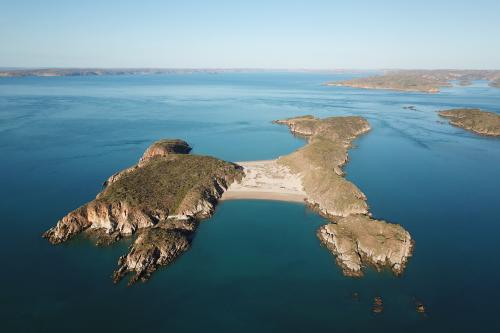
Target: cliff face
[
  {"x": 474, "y": 120},
  {"x": 109, "y": 217},
  {"x": 358, "y": 238},
  {"x": 165, "y": 192},
  {"x": 161, "y": 148},
  {"x": 164, "y": 148},
  {"x": 353, "y": 236},
  {"x": 153, "y": 247}
]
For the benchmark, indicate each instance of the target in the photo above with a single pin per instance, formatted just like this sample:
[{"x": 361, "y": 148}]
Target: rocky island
[
  {"x": 474, "y": 120},
  {"x": 429, "y": 81},
  {"x": 314, "y": 174},
  {"x": 353, "y": 236},
  {"x": 162, "y": 198}
]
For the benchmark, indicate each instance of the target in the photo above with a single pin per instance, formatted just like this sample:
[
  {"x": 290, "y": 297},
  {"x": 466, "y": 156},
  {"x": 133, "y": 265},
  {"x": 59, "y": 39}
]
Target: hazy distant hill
[{"x": 421, "y": 80}]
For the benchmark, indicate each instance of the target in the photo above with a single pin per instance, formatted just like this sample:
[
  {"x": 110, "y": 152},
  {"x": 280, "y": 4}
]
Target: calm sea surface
[{"x": 256, "y": 266}]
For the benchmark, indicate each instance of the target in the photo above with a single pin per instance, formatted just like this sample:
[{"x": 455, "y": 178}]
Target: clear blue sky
[{"x": 250, "y": 33}]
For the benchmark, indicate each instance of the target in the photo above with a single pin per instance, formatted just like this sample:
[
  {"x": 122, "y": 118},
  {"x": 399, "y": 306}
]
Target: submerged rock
[
  {"x": 420, "y": 308},
  {"x": 378, "y": 305},
  {"x": 410, "y": 107},
  {"x": 474, "y": 120}
]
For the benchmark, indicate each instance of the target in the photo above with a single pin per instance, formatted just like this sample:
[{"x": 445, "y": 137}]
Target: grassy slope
[
  {"x": 475, "y": 120},
  {"x": 163, "y": 183},
  {"x": 320, "y": 163}
]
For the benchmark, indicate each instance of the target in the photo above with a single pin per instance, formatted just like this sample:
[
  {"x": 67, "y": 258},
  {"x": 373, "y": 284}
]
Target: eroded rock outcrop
[
  {"x": 353, "y": 236},
  {"x": 153, "y": 247},
  {"x": 357, "y": 238},
  {"x": 162, "y": 196},
  {"x": 164, "y": 148},
  {"x": 474, "y": 120},
  {"x": 161, "y": 148}
]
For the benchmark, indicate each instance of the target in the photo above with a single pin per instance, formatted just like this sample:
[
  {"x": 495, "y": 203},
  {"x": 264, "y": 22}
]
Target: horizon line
[{"x": 16, "y": 68}]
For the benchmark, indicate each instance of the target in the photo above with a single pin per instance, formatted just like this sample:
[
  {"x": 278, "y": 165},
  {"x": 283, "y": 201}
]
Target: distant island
[
  {"x": 474, "y": 120},
  {"x": 48, "y": 72},
  {"x": 54, "y": 72},
  {"x": 162, "y": 198},
  {"x": 429, "y": 81}
]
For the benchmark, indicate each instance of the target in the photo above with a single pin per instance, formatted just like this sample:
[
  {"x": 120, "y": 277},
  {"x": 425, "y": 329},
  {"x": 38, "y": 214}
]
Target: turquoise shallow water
[{"x": 256, "y": 265}]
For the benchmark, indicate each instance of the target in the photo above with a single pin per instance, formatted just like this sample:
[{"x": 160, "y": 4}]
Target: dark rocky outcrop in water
[
  {"x": 161, "y": 197},
  {"x": 474, "y": 120}
]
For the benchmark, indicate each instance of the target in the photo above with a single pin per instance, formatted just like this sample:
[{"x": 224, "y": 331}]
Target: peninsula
[
  {"x": 474, "y": 120},
  {"x": 162, "y": 198},
  {"x": 314, "y": 174},
  {"x": 429, "y": 81},
  {"x": 353, "y": 236}
]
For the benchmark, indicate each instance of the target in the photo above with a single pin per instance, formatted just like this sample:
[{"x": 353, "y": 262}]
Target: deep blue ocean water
[{"x": 256, "y": 266}]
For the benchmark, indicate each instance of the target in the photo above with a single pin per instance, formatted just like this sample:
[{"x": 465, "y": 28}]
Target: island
[
  {"x": 162, "y": 198},
  {"x": 352, "y": 236},
  {"x": 54, "y": 72},
  {"x": 429, "y": 81},
  {"x": 474, "y": 120},
  {"x": 314, "y": 174}
]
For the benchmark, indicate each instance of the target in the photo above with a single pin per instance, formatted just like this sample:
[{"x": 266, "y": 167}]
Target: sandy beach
[{"x": 266, "y": 180}]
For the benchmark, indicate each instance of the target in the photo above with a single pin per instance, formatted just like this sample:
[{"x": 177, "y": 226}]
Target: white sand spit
[{"x": 266, "y": 180}]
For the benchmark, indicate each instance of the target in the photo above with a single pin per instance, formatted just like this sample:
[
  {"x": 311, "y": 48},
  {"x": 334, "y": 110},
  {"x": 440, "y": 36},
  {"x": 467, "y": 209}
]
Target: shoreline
[
  {"x": 266, "y": 180},
  {"x": 262, "y": 195}
]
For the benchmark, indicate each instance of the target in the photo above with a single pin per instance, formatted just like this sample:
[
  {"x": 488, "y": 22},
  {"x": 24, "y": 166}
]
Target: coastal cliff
[
  {"x": 474, "y": 120},
  {"x": 357, "y": 239},
  {"x": 353, "y": 236},
  {"x": 162, "y": 196}
]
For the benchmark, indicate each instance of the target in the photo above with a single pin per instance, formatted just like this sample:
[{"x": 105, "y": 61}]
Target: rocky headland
[
  {"x": 429, "y": 81},
  {"x": 161, "y": 198},
  {"x": 353, "y": 236},
  {"x": 474, "y": 120}
]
